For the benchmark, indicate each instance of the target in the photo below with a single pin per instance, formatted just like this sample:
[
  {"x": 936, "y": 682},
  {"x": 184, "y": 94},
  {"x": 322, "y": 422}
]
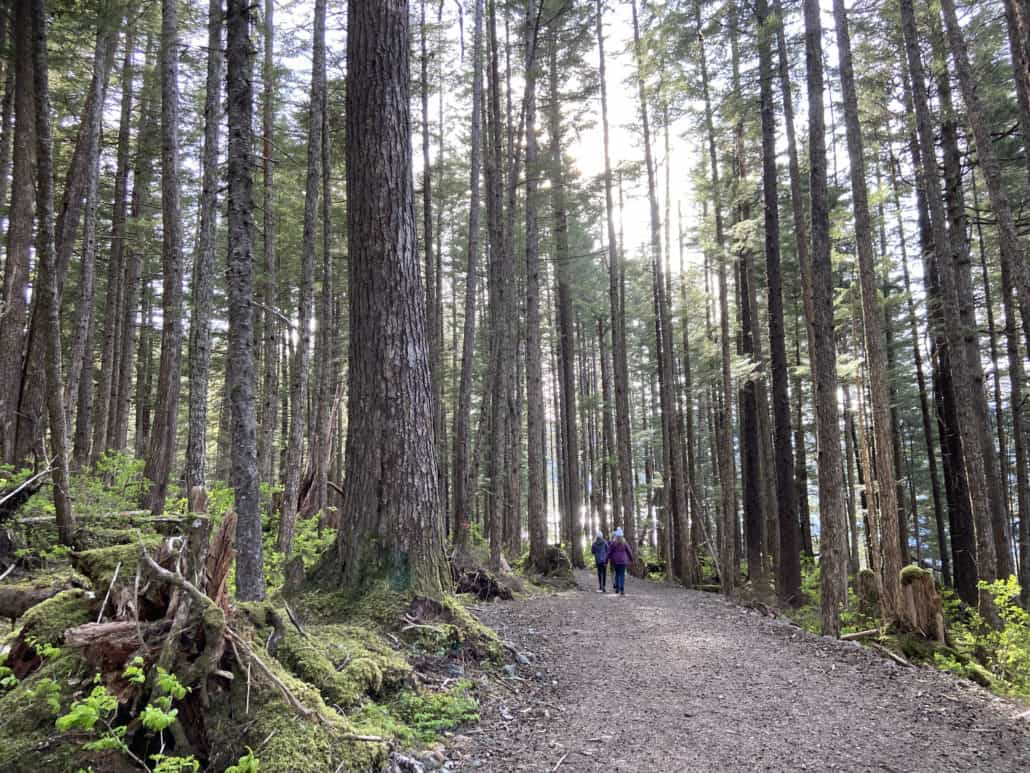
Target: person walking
[
  {"x": 600, "y": 550},
  {"x": 620, "y": 555}
]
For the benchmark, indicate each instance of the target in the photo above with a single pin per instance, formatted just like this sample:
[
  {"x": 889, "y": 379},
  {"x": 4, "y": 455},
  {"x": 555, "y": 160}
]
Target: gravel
[{"x": 664, "y": 679}]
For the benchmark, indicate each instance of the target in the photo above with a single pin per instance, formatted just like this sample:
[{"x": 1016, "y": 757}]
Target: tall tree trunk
[
  {"x": 81, "y": 349},
  {"x": 104, "y": 403},
  {"x": 1010, "y": 250},
  {"x": 46, "y": 253},
  {"x": 204, "y": 259},
  {"x": 271, "y": 326},
  {"x": 302, "y": 356},
  {"x": 567, "y": 380},
  {"x": 788, "y": 576},
  {"x": 434, "y": 307},
  {"x": 535, "y": 419},
  {"x": 727, "y": 567},
  {"x": 968, "y": 439},
  {"x": 833, "y": 547},
  {"x": 462, "y": 484},
  {"x": 19, "y": 230},
  {"x": 392, "y": 522},
  {"x": 884, "y": 500},
  {"x": 161, "y": 448},
  {"x": 240, "y": 371},
  {"x": 625, "y": 513},
  {"x": 148, "y": 142},
  {"x": 676, "y": 500}
]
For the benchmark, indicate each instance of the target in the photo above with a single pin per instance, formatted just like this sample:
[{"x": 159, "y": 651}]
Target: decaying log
[
  {"x": 220, "y": 560},
  {"x": 16, "y": 600}
]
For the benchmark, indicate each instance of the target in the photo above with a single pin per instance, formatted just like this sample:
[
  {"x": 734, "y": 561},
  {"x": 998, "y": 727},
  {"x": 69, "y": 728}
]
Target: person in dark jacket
[
  {"x": 620, "y": 556},
  {"x": 600, "y": 550}
]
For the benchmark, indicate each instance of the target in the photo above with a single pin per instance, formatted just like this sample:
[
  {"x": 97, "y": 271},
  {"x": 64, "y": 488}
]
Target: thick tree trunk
[
  {"x": 240, "y": 371},
  {"x": 204, "y": 259},
  {"x": 832, "y": 520},
  {"x": 161, "y": 448},
  {"x": 46, "y": 253},
  {"x": 393, "y": 527},
  {"x": 19, "y": 231}
]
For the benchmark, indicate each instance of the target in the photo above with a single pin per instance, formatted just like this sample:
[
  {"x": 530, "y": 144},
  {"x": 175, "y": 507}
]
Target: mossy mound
[
  {"x": 99, "y": 564},
  {"x": 29, "y": 742},
  {"x": 257, "y": 716},
  {"x": 554, "y": 572},
  {"x": 346, "y": 663},
  {"x": 913, "y": 573},
  {"x": 93, "y": 537},
  {"x": 46, "y": 622}
]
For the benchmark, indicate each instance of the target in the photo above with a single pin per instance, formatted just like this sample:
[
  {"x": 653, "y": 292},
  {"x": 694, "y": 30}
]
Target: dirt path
[{"x": 664, "y": 679}]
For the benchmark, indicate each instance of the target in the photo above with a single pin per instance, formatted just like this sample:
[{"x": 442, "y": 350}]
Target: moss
[
  {"x": 418, "y": 717},
  {"x": 345, "y": 663},
  {"x": 280, "y": 738},
  {"x": 912, "y": 573},
  {"x": 47, "y": 621},
  {"x": 93, "y": 537},
  {"x": 29, "y": 741},
  {"x": 99, "y": 564}
]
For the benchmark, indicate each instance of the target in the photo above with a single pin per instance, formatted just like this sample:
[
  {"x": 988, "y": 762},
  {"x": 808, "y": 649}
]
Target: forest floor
[{"x": 665, "y": 679}]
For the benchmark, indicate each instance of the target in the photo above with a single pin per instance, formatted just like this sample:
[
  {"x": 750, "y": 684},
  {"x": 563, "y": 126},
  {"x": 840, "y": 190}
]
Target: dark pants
[
  {"x": 620, "y": 578},
  {"x": 602, "y": 575}
]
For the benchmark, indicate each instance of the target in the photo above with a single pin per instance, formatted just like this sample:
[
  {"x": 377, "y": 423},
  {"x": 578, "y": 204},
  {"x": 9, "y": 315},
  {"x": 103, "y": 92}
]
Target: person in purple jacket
[
  {"x": 619, "y": 556},
  {"x": 600, "y": 550}
]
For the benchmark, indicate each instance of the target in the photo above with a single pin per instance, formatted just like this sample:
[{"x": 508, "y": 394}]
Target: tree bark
[
  {"x": 833, "y": 546},
  {"x": 788, "y": 576},
  {"x": 204, "y": 259},
  {"x": 46, "y": 253},
  {"x": 884, "y": 500},
  {"x": 299, "y": 375},
  {"x": 462, "y": 483},
  {"x": 968, "y": 440},
  {"x": 625, "y": 513},
  {"x": 19, "y": 230},
  {"x": 240, "y": 371},
  {"x": 104, "y": 403},
  {"x": 161, "y": 448},
  {"x": 392, "y": 522},
  {"x": 567, "y": 377}
]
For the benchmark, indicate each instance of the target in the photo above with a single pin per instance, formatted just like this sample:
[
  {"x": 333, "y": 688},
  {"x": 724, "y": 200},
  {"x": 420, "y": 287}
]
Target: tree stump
[
  {"x": 868, "y": 592},
  {"x": 921, "y": 606}
]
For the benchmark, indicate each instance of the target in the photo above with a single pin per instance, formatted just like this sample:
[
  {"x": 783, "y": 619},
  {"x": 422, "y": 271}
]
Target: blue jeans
[{"x": 620, "y": 578}]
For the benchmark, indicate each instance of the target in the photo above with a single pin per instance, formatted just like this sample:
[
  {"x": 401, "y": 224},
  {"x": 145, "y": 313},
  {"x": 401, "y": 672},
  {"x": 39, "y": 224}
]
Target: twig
[
  {"x": 173, "y": 579},
  {"x": 368, "y": 738},
  {"x": 286, "y": 693},
  {"x": 295, "y": 621},
  {"x": 27, "y": 483},
  {"x": 558, "y": 765},
  {"x": 892, "y": 655},
  {"x": 7, "y": 571},
  {"x": 103, "y": 605},
  {"x": 860, "y": 634}
]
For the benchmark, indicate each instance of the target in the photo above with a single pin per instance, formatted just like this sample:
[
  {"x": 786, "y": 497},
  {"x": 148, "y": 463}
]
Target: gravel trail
[{"x": 664, "y": 679}]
